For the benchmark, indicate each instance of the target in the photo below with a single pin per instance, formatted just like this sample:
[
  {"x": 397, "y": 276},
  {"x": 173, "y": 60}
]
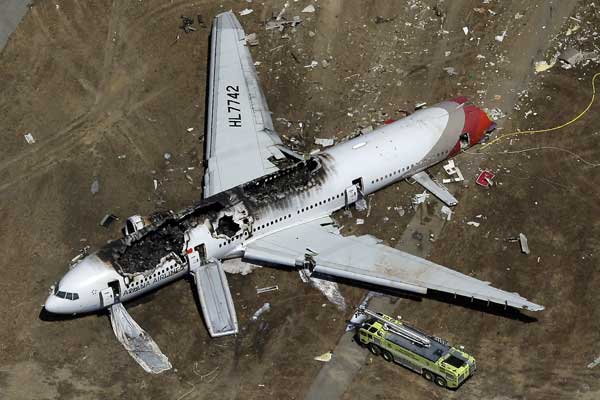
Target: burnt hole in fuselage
[{"x": 227, "y": 226}]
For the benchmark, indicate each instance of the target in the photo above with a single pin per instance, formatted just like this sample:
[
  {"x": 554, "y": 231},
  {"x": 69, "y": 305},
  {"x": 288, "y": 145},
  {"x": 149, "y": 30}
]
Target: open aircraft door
[{"x": 107, "y": 297}]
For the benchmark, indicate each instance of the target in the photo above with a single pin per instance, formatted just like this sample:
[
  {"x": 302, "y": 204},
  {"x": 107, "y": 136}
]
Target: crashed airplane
[{"x": 268, "y": 205}]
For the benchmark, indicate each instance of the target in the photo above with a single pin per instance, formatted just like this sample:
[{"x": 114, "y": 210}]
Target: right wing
[
  {"x": 320, "y": 245},
  {"x": 240, "y": 140}
]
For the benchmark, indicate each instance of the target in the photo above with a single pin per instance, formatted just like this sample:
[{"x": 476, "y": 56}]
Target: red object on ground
[
  {"x": 485, "y": 178},
  {"x": 389, "y": 121}
]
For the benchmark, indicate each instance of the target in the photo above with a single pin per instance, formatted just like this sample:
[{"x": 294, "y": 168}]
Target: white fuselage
[{"x": 365, "y": 164}]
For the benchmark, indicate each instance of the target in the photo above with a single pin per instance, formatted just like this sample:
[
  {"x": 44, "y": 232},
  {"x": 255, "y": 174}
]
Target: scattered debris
[
  {"x": 29, "y": 138},
  {"x": 466, "y": 30},
  {"x": 186, "y": 24},
  {"x": 324, "y": 142},
  {"x": 571, "y": 57},
  {"x": 524, "y": 244},
  {"x": 473, "y": 223},
  {"x": 281, "y": 24},
  {"x": 485, "y": 178},
  {"x": 541, "y": 66},
  {"x": 594, "y": 363},
  {"x": 108, "y": 219},
  {"x": 313, "y": 64},
  {"x": 450, "y": 71},
  {"x": 155, "y": 184},
  {"x": 360, "y": 221},
  {"x": 446, "y": 213},
  {"x": 420, "y": 198},
  {"x": 500, "y": 38},
  {"x": 452, "y": 169},
  {"x": 252, "y": 39},
  {"x": 95, "y": 188},
  {"x": 495, "y": 114},
  {"x": 266, "y": 307},
  {"x": 167, "y": 156},
  {"x": 309, "y": 9},
  {"x": 325, "y": 357},
  {"x": 267, "y": 289},
  {"x": 246, "y": 11},
  {"x": 418, "y": 106}
]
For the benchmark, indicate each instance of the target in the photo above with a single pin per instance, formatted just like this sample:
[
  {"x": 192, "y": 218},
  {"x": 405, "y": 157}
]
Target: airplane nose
[{"x": 53, "y": 304}]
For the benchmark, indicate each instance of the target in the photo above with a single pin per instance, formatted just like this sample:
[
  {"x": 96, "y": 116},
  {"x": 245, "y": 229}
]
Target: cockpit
[{"x": 65, "y": 295}]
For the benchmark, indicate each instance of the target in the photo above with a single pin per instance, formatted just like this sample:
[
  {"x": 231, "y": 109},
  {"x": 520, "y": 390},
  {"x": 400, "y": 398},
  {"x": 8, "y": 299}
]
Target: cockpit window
[{"x": 67, "y": 295}]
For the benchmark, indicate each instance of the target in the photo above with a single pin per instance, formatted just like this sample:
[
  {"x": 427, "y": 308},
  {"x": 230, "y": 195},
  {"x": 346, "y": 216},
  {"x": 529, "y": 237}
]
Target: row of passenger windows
[
  {"x": 265, "y": 225},
  {"x": 154, "y": 275},
  {"x": 404, "y": 169},
  {"x": 67, "y": 295}
]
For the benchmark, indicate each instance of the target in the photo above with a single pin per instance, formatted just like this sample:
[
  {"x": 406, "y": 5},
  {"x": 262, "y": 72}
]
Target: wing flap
[{"x": 438, "y": 190}]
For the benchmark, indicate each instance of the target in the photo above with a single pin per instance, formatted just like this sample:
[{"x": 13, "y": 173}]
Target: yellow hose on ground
[{"x": 555, "y": 128}]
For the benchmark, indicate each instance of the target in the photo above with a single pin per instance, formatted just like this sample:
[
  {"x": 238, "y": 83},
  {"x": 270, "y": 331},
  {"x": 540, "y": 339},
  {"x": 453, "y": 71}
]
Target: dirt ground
[{"x": 106, "y": 88}]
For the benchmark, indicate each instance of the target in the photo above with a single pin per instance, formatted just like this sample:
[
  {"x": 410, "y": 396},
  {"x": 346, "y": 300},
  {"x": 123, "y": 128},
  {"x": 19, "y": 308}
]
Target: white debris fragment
[
  {"x": 267, "y": 289},
  {"x": 167, "y": 156},
  {"x": 451, "y": 169},
  {"x": 495, "y": 113},
  {"x": 420, "y": 105},
  {"x": 309, "y": 9},
  {"x": 313, "y": 64},
  {"x": 466, "y": 30},
  {"x": 246, "y": 11},
  {"x": 155, "y": 184},
  {"x": 519, "y": 16},
  {"x": 252, "y": 39},
  {"x": 266, "y": 307},
  {"x": 524, "y": 244},
  {"x": 500, "y": 38},
  {"x": 324, "y": 142},
  {"x": 450, "y": 71},
  {"x": 447, "y": 53},
  {"x": 29, "y": 138},
  {"x": 190, "y": 129},
  {"x": 325, "y": 357},
  {"x": 594, "y": 363},
  {"x": 420, "y": 198},
  {"x": 95, "y": 188},
  {"x": 541, "y": 66},
  {"x": 473, "y": 223},
  {"x": 447, "y": 213},
  {"x": 360, "y": 221}
]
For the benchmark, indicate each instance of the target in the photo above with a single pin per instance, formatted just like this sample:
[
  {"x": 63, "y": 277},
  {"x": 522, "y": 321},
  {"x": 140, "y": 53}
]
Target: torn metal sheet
[
  {"x": 325, "y": 357},
  {"x": 267, "y": 289},
  {"x": 523, "y": 243},
  {"x": 324, "y": 142},
  {"x": 29, "y": 138},
  {"x": 485, "y": 178},
  {"x": 265, "y": 307},
  {"x": 137, "y": 342}
]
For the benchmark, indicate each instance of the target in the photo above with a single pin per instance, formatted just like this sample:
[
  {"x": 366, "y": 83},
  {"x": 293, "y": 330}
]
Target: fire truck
[{"x": 430, "y": 356}]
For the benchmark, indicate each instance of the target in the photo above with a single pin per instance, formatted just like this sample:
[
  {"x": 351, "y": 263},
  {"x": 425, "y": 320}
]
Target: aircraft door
[
  {"x": 351, "y": 194},
  {"x": 197, "y": 257},
  {"x": 107, "y": 297}
]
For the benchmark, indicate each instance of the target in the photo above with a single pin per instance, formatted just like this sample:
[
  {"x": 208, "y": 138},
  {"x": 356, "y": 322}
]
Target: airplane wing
[
  {"x": 240, "y": 140},
  {"x": 438, "y": 190},
  {"x": 363, "y": 258}
]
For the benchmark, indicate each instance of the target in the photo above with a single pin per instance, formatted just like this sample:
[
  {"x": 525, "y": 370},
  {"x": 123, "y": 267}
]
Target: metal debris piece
[
  {"x": 325, "y": 357},
  {"x": 541, "y": 66},
  {"x": 95, "y": 188},
  {"x": 571, "y": 57},
  {"x": 524, "y": 244},
  {"x": 420, "y": 198},
  {"x": 266, "y": 307},
  {"x": 495, "y": 113},
  {"x": 108, "y": 219},
  {"x": 167, "y": 156},
  {"x": 136, "y": 341},
  {"x": 594, "y": 363},
  {"x": 324, "y": 142},
  {"x": 485, "y": 178},
  {"x": 246, "y": 11},
  {"x": 466, "y": 30},
  {"x": 267, "y": 289},
  {"x": 360, "y": 221},
  {"x": 281, "y": 24},
  {"x": 420, "y": 105},
  {"x": 190, "y": 129},
  {"x": 309, "y": 9},
  {"x": 500, "y": 38},
  {"x": 447, "y": 213},
  {"x": 473, "y": 223},
  {"x": 452, "y": 169},
  {"x": 252, "y": 39},
  {"x": 186, "y": 24},
  {"x": 312, "y": 64},
  {"x": 450, "y": 71},
  {"x": 29, "y": 138}
]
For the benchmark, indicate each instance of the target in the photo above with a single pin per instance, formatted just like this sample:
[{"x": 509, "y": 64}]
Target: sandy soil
[{"x": 106, "y": 88}]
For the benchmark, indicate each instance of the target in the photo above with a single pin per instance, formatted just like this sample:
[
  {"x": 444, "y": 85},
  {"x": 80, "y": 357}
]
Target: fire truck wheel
[
  {"x": 428, "y": 375},
  {"x": 374, "y": 349},
  {"x": 441, "y": 382},
  {"x": 387, "y": 356}
]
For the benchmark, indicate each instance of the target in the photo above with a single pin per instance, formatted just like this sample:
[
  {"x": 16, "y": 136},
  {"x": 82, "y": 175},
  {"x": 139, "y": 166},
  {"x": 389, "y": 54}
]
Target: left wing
[
  {"x": 240, "y": 140},
  {"x": 365, "y": 259}
]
